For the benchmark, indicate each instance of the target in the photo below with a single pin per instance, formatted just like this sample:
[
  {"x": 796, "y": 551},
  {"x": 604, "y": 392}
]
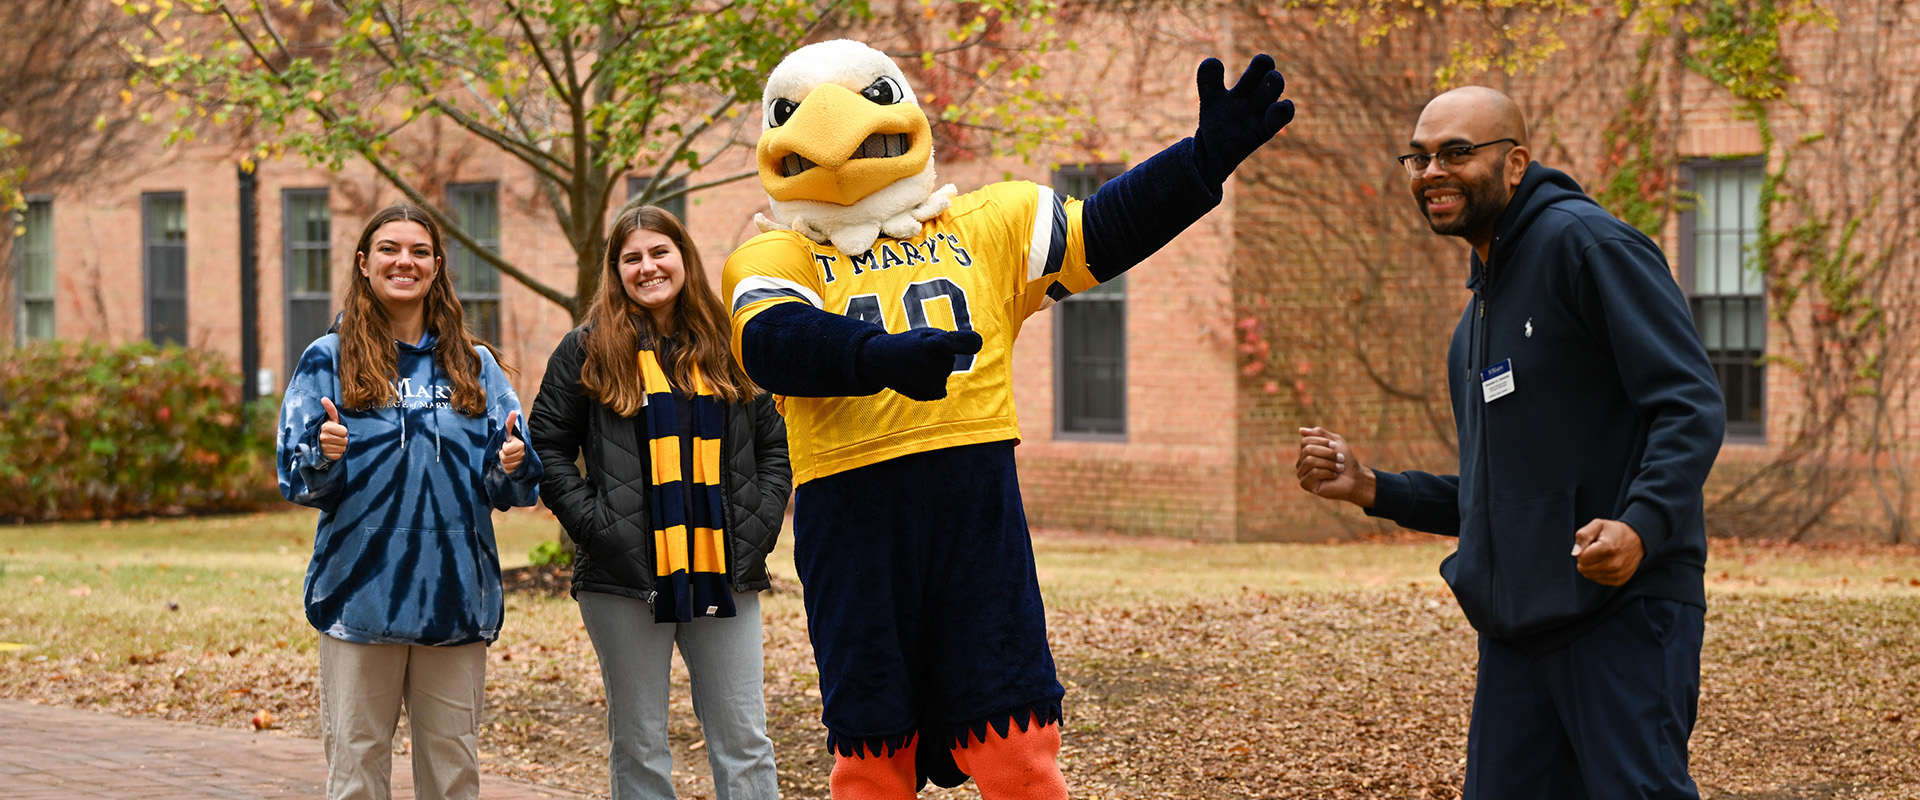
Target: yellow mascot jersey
[{"x": 995, "y": 257}]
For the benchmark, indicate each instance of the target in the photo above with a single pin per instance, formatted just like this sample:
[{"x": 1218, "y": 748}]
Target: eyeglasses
[{"x": 1449, "y": 158}]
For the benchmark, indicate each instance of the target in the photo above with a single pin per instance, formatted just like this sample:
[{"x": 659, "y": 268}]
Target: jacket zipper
[
  {"x": 726, "y": 495},
  {"x": 1481, "y": 336}
]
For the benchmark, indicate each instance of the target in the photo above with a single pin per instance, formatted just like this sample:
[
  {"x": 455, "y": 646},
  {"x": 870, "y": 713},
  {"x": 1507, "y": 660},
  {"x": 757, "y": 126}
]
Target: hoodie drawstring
[{"x": 433, "y": 410}]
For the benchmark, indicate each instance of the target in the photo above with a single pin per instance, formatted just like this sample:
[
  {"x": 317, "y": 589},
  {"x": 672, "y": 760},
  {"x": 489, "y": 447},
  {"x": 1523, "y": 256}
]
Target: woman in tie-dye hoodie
[{"x": 404, "y": 432}]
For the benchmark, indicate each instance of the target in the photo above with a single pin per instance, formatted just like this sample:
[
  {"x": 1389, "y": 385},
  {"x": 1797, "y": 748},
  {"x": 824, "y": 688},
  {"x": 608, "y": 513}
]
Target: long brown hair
[
  {"x": 369, "y": 358},
  {"x": 615, "y": 325}
]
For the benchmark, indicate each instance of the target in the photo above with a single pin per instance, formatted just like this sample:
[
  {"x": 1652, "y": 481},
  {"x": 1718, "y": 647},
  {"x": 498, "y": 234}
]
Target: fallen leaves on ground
[{"x": 1357, "y": 694}]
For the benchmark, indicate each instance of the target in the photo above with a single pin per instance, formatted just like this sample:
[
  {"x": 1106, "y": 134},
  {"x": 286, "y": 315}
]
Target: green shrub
[
  {"x": 90, "y": 431},
  {"x": 550, "y": 552}
]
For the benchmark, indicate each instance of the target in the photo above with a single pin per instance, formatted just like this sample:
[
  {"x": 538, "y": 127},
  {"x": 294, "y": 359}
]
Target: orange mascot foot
[
  {"x": 875, "y": 775},
  {"x": 1023, "y": 765}
]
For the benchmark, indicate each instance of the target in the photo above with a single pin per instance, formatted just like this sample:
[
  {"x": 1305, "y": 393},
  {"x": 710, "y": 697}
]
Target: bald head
[
  {"x": 1466, "y": 184},
  {"x": 1477, "y": 112}
]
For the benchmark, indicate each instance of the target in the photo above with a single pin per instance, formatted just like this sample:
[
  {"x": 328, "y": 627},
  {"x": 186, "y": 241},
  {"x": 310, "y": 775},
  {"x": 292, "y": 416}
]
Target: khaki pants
[{"x": 362, "y": 688}]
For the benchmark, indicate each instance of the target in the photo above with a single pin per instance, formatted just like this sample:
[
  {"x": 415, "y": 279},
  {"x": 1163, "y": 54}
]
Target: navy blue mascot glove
[
  {"x": 1235, "y": 122},
  {"x": 1139, "y": 212},
  {"x": 915, "y": 363}
]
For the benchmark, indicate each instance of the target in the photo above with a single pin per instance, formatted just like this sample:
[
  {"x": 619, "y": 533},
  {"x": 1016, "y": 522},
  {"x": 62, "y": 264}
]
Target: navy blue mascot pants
[{"x": 922, "y": 601}]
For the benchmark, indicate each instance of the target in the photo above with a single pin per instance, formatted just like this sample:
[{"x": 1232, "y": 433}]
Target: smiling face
[
  {"x": 1467, "y": 198},
  {"x": 400, "y": 264},
  {"x": 652, "y": 273}
]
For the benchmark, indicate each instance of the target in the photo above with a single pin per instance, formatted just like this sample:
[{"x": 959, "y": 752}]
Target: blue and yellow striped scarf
[{"x": 689, "y": 534}]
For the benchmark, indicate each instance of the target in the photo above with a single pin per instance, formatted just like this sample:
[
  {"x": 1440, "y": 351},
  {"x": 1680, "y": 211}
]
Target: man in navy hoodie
[{"x": 1588, "y": 418}]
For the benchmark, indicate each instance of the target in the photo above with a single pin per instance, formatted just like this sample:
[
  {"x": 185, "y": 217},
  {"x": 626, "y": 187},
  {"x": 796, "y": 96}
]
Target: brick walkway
[{"x": 49, "y": 753}]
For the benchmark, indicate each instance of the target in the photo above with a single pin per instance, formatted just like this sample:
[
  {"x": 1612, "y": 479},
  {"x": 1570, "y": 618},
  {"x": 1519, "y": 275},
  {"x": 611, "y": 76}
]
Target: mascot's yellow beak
[{"x": 839, "y": 147}]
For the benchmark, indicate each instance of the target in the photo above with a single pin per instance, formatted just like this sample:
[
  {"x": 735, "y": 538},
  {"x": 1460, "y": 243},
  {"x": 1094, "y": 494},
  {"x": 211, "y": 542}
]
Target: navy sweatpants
[
  {"x": 922, "y": 601},
  {"x": 1606, "y": 717}
]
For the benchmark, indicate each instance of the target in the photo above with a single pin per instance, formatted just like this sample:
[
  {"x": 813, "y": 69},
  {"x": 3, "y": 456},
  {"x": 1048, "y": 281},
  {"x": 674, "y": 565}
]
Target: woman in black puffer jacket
[{"x": 685, "y": 488}]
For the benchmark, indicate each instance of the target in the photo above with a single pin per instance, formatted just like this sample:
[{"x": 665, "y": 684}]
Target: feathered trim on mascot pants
[
  {"x": 1022, "y": 765},
  {"x": 925, "y": 614}
]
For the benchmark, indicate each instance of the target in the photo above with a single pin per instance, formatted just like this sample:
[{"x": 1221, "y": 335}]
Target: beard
[{"x": 1480, "y": 207}]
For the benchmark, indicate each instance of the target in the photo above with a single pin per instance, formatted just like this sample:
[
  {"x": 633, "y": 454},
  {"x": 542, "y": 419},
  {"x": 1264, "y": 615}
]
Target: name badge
[{"x": 1497, "y": 381}]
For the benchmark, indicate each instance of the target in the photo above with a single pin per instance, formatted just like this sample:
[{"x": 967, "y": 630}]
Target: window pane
[
  {"x": 483, "y": 318},
  {"x": 1703, "y": 253},
  {"x": 169, "y": 321},
  {"x": 1095, "y": 356},
  {"x": 1750, "y": 278},
  {"x": 307, "y": 320},
  {"x": 1115, "y": 289},
  {"x": 1727, "y": 263},
  {"x": 170, "y": 216},
  {"x": 36, "y": 272},
  {"x": 1726, "y": 200},
  {"x": 172, "y": 263},
  {"x": 1707, "y": 317},
  {"x": 39, "y": 223},
  {"x": 676, "y": 206},
  {"x": 476, "y": 207},
  {"x": 37, "y": 319},
  {"x": 1750, "y": 178},
  {"x": 315, "y": 221},
  {"x": 475, "y": 277},
  {"x": 1092, "y": 334}
]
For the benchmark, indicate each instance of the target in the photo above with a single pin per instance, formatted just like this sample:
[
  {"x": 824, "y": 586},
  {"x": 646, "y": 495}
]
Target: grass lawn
[{"x": 1193, "y": 670}]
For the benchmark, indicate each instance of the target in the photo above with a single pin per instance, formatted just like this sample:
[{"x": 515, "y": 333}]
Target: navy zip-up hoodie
[
  {"x": 1615, "y": 414},
  {"x": 404, "y": 550}
]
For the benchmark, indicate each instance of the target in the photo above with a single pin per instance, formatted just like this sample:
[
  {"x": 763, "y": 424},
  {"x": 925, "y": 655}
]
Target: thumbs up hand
[
  {"x": 333, "y": 435},
  {"x": 514, "y": 450}
]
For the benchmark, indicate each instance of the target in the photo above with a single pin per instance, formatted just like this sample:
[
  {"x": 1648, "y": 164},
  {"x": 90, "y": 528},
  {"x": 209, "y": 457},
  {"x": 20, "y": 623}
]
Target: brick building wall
[{"x": 1313, "y": 295}]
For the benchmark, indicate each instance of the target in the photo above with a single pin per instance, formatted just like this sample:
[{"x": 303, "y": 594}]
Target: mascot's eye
[
  {"x": 781, "y": 111},
  {"x": 883, "y": 91}
]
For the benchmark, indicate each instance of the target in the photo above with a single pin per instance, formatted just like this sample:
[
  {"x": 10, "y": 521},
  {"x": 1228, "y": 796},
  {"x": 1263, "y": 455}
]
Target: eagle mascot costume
[{"x": 883, "y": 311}]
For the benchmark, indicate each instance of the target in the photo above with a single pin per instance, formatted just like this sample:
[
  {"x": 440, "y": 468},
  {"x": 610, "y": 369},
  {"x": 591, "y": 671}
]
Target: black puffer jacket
[{"x": 605, "y": 511}]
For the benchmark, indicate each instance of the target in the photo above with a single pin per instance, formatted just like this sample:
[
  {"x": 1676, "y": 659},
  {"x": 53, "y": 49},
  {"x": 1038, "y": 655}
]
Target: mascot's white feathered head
[{"x": 845, "y": 153}]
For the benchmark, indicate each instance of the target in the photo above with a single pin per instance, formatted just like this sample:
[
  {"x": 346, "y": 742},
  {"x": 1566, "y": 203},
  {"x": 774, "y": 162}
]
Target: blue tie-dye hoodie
[{"x": 404, "y": 553}]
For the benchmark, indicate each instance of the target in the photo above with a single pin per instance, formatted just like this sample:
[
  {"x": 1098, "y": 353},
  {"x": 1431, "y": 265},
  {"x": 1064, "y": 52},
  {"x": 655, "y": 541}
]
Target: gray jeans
[{"x": 725, "y": 665}]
